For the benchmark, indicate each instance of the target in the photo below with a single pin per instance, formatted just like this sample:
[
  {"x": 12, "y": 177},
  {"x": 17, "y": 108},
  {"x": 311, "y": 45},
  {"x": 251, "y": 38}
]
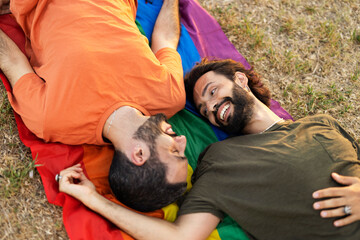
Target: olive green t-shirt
[{"x": 265, "y": 181}]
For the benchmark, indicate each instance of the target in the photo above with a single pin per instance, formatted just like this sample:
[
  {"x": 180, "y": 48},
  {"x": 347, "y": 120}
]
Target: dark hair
[
  {"x": 228, "y": 68},
  {"x": 143, "y": 188}
]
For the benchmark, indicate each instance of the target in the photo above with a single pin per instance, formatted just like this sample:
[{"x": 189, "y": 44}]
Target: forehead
[
  {"x": 207, "y": 80},
  {"x": 203, "y": 81}
]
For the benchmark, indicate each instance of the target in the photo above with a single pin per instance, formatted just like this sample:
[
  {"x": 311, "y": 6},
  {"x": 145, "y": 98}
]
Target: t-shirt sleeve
[
  {"x": 330, "y": 121},
  {"x": 202, "y": 199},
  {"x": 172, "y": 60},
  {"x": 346, "y": 135},
  {"x": 173, "y": 90},
  {"x": 28, "y": 100}
]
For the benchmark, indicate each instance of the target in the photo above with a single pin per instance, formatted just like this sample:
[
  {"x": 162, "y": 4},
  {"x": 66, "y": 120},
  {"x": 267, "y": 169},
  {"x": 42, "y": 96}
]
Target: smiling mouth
[
  {"x": 223, "y": 112},
  {"x": 169, "y": 131}
]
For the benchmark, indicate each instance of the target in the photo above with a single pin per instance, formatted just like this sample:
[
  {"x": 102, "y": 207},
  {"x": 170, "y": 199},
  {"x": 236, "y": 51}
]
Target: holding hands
[{"x": 343, "y": 201}]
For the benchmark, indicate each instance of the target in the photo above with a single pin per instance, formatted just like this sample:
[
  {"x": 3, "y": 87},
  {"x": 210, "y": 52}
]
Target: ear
[
  {"x": 241, "y": 80},
  {"x": 140, "y": 154}
]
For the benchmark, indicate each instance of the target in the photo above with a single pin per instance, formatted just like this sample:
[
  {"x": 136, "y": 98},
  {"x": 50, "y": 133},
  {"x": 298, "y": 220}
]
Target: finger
[
  {"x": 345, "y": 180},
  {"x": 82, "y": 176},
  {"x": 70, "y": 176},
  {"x": 65, "y": 172},
  {"x": 76, "y": 167},
  {"x": 329, "y": 192},
  {"x": 71, "y": 172},
  {"x": 345, "y": 221},
  {"x": 337, "y": 212},
  {"x": 329, "y": 203}
]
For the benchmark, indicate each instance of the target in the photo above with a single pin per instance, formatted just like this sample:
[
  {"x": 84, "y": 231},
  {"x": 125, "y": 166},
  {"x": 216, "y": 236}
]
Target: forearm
[
  {"x": 167, "y": 27},
  {"x": 196, "y": 226},
  {"x": 137, "y": 225},
  {"x": 13, "y": 62}
]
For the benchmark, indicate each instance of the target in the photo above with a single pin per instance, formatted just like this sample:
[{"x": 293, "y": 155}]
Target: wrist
[{"x": 89, "y": 198}]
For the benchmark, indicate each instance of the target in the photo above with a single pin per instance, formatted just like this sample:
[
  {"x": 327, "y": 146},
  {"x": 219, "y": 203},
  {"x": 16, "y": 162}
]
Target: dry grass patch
[
  {"x": 25, "y": 212},
  {"x": 307, "y": 51}
]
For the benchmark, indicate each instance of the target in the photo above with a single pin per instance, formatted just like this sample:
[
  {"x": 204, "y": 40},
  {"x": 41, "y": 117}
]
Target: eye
[{"x": 212, "y": 92}]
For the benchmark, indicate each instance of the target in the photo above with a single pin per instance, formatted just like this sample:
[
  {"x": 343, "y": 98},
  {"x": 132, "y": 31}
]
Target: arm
[
  {"x": 339, "y": 197},
  {"x": 190, "y": 226},
  {"x": 167, "y": 27},
  {"x": 13, "y": 62},
  {"x": 4, "y": 7}
]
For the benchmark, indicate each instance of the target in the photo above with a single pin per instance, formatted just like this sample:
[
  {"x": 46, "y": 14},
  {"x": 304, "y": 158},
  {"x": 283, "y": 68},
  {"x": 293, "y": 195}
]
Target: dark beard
[
  {"x": 243, "y": 111},
  {"x": 150, "y": 130}
]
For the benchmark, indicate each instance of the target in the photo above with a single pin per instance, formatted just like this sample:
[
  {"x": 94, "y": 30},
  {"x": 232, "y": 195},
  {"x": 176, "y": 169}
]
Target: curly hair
[{"x": 228, "y": 68}]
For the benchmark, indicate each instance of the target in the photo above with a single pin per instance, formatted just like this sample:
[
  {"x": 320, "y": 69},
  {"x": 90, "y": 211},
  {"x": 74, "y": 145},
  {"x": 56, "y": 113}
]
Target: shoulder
[
  {"x": 204, "y": 162},
  {"x": 221, "y": 149},
  {"x": 319, "y": 119}
]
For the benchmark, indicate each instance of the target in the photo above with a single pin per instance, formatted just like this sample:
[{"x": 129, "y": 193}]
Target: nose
[
  {"x": 211, "y": 105},
  {"x": 166, "y": 124},
  {"x": 181, "y": 144}
]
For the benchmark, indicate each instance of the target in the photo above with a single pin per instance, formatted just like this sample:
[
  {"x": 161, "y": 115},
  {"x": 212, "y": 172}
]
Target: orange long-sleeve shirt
[{"x": 90, "y": 59}]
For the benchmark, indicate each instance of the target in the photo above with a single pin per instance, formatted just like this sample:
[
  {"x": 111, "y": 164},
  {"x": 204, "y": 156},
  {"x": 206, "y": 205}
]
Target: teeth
[
  {"x": 222, "y": 114},
  {"x": 169, "y": 131}
]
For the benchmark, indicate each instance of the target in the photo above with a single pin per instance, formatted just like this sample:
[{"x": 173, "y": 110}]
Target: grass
[
  {"x": 25, "y": 212},
  {"x": 355, "y": 36},
  {"x": 16, "y": 174},
  {"x": 307, "y": 52}
]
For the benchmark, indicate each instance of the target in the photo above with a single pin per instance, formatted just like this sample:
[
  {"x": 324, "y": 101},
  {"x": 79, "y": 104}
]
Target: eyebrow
[
  {"x": 205, "y": 88},
  {"x": 203, "y": 93}
]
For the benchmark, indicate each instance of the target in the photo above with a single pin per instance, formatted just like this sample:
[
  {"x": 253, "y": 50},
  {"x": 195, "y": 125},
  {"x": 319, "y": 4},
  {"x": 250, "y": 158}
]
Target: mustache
[
  {"x": 172, "y": 134},
  {"x": 157, "y": 119},
  {"x": 215, "y": 112}
]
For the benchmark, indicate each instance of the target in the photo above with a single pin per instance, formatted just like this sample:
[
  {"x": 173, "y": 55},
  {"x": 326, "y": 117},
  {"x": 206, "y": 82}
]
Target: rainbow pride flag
[{"x": 201, "y": 36}]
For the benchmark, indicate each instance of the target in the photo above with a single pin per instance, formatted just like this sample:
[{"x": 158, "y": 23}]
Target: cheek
[{"x": 185, "y": 171}]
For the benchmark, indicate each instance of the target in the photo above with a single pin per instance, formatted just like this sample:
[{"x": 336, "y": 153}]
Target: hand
[
  {"x": 4, "y": 6},
  {"x": 339, "y": 197},
  {"x": 79, "y": 190}
]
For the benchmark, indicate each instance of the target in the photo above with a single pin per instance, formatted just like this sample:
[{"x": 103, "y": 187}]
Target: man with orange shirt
[{"x": 92, "y": 78}]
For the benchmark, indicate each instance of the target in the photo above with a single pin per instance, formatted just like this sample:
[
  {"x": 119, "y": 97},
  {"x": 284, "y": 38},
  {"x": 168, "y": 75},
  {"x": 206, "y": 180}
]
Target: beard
[
  {"x": 243, "y": 111},
  {"x": 150, "y": 130}
]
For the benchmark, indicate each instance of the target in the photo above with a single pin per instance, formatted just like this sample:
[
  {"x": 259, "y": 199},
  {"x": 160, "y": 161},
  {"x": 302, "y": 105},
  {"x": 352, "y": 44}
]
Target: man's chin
[{"x": 220, "y": 123}]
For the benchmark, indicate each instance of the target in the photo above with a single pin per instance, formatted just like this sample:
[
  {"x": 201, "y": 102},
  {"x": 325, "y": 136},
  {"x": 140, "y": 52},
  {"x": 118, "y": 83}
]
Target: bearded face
[{"x": 242, "y": 112}]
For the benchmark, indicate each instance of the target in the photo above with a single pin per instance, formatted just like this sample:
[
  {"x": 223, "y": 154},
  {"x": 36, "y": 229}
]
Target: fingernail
[
  {"x": 315, "y": 195},
  {"x": 316, "y": 206},
  {"x": 336, "y": 224},
  {"x": 323, "y": 214}
]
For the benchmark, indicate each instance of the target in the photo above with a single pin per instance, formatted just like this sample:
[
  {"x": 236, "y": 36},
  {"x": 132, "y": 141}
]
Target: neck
[
  {"x": 121, "y": 125},
  {"x": 262, "y": 119}
]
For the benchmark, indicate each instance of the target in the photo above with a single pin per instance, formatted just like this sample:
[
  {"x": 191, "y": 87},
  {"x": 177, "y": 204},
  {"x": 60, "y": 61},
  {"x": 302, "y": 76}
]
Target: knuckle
[{"x": 352, "y": 191}]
